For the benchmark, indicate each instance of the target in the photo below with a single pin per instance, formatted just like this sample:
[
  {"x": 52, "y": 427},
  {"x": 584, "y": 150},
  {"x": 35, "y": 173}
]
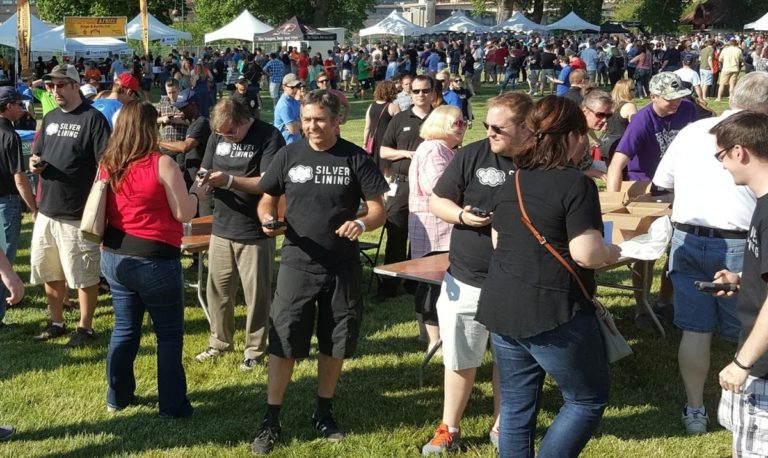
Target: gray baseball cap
[{"x": 668, "y": 86}]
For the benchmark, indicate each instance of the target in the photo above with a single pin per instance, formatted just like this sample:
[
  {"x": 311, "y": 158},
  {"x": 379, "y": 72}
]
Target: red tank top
[{"x": 140, "y": 207}]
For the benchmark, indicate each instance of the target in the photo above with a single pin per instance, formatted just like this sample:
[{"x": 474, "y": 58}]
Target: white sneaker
[
  {"x": 209, "y": 353},
  {"x": 695, "y": 421}
]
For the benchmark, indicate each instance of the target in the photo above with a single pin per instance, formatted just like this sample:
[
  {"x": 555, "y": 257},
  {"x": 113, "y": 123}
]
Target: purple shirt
[{"x": 647, "y": 137}]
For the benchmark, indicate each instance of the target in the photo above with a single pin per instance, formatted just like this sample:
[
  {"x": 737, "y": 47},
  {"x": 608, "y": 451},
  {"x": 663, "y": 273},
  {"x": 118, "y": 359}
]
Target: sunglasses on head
[{"x": 421, "y": 91}]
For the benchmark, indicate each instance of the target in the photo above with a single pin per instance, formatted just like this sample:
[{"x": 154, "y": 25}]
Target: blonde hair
[
  {"x": 440, "y": 124},
  {"x": 622, "y": 92}
]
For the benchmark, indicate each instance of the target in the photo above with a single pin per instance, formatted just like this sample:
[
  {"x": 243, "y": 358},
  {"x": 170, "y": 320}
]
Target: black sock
[
  {"x": 323, "y": 407},
  {"x": 273, "y": 413}
]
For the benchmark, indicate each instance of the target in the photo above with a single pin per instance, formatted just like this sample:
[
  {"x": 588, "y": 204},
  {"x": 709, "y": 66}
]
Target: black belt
[
  {"x": 703, "y": 231},
  {"x": 399, "y": 178}
]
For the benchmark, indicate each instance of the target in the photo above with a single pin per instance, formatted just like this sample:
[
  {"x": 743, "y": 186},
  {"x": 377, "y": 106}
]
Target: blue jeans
[
  {"x": 574, "y": 356},
  {"x": 155, "y": 285},
  {"x": 510, "y": 77},
  {"x": 10, "y": 208}
]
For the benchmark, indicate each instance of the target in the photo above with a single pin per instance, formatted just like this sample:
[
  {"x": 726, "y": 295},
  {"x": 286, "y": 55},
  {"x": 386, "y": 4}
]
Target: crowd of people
[{"x": 204, "y": 150}]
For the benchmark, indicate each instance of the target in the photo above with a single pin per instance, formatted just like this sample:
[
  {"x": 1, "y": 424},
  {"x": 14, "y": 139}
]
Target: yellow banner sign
[{"x": 79, "y": 27}]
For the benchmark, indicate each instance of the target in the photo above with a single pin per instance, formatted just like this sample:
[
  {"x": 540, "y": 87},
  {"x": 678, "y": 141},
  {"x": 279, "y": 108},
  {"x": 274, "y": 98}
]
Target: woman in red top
[
  {"x": 147, "y": 202},
  {"x": 303, "y": 67}
]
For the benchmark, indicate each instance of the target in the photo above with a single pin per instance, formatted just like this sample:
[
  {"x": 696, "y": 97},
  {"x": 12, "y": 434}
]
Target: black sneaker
[
  {"x": 251, "y": 363},
  {"x": 79, "y": 337},
  {"x": 51, "y": 331},
  {"x": 6, "y": 431},
  {"x": 266, "y": 437},
  {"x": 327, "y": 425}
]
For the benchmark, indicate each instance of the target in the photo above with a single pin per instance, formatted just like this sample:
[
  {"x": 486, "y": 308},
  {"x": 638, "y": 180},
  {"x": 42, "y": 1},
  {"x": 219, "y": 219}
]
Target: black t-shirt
[
  {"x": 535, "y": 60},
  {"x": 527, "y": 290},
  {"x": 754, "y": 289},
  {"x": 473, "y": 177},
  {"x": 464, "y": 96},
  {"x": 250, "y": 99},
  {"x": 11, "y": 159},
  {"x": 548, "y": 60},
  {"x": 672, "y": 56},
  {"x": 403, "y": 133},
  {"x": 72, "y": 144},
  {"x": 234, "y": 212},
  {"x": 322, "y": 190},
  {"x": 200, "y": 130}
]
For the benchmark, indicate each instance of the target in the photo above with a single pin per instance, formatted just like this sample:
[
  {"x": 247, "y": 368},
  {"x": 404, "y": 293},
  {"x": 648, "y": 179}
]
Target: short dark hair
[
  {"x": 746, "y": 128},
  {"x": 426, "y": 78},
  {"x": 328, "y": 101}
]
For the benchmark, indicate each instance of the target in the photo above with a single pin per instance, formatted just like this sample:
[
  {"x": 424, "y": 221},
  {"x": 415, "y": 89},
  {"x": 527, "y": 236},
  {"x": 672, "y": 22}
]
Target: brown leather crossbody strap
[{"x": 543, "y": 241}]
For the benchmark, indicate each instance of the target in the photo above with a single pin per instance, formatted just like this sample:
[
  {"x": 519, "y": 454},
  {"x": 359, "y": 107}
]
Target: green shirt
[
  {"x": 363, "y": 70},
  {"x": 46, "y": 99},
  {"x": 704, "y": 56}
]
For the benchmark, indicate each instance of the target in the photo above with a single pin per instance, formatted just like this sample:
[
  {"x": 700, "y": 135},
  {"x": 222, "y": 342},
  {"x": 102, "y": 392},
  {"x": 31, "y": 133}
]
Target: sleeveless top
[
  {"x": 614, "y": 130},
  {"x": 378, "y": 122},
  {"x": 139, "y": 219}
]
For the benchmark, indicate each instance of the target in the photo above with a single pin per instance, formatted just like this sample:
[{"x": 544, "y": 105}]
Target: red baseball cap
[{"x": 128, "y": 81}]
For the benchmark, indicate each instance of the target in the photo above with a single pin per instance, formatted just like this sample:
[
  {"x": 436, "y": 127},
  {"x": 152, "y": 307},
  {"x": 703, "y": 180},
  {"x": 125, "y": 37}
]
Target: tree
[
  {"x": 657, "y": 15},
  {"x": 55, "y": 10},
  {"x": 589, "y": 10}
]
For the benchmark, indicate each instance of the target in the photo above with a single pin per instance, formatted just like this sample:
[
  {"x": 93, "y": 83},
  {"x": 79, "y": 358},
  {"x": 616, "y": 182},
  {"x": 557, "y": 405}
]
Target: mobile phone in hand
[
  {"x": 709, "y": 287},
  {"x": 274, "y": 224},
  {"x": 479, "y": 212},
  {"x": 39, "y": 164}
]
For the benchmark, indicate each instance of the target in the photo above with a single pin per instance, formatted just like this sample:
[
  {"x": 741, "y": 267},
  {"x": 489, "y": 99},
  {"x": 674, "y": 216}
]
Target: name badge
[{"x": 406, "y": 129}]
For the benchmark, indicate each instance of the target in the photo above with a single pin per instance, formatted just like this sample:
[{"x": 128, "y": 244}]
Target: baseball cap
[
  {"x": 128, "y": 81},
  {"x": 9, "y": 94},
  {"x": 186, "y": 97},
  {"x": 242, "y": 79},
  {"x": 88, "y": 90},
  {"x": 290, "y": 80},
  {"x": 63, "y": 71},
  {"x": 688, "y": 60},
  {"x": 668, "y": 86}
]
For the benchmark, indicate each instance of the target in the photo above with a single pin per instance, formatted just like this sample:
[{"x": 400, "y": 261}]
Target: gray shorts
[
  {"x": 464, "y": 339},
  {"x": 746, "y": 416}
]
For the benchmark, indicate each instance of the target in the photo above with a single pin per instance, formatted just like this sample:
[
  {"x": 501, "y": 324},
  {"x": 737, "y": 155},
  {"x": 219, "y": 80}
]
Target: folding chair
[{"x": 365, "y": 247}]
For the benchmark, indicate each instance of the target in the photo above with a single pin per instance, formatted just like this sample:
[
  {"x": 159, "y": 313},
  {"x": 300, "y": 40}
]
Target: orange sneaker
[{"x": 443, "y": 441}]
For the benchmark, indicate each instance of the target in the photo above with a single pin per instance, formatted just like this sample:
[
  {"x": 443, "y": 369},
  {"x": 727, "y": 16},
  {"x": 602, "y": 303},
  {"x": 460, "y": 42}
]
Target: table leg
[
  {"x": 426, "y": 359},
  {"x": 201, "y": 277},
  {"x": 646, "y": 273}
]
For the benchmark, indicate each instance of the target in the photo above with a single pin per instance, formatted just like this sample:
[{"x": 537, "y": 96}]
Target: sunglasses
[
  {"x": 720, "y": 155},
  {"x": 459, "y": 124},
  {"x": 57, "y": 85},
  {"x": 498, "y": 130},
  {"x": 600, "y": 114},
  {"x": 421, "y": 91},
  {"x": 322, "y": 81}
]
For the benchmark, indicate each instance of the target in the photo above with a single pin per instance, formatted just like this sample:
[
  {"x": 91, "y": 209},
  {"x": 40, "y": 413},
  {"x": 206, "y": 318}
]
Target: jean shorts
[{"x": 696, "y": 258}]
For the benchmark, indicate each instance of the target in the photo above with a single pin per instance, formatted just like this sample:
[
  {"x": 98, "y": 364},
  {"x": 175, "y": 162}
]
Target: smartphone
[
  {"x": 202, "y": 174},
  {"x": 40, "y": 164},
  {"x": 709, "y": 287},
  {"x": 274, "y": 224},
  {"x": 479, "y": 212}
]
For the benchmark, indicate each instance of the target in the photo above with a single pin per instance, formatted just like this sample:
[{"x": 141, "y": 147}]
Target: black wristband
[
  {"x": 461, "y": 220},
  {"x": 739, "y": 365}
]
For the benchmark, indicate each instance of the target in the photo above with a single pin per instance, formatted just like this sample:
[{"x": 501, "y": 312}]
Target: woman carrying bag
[{"x": 540, "y": 319}]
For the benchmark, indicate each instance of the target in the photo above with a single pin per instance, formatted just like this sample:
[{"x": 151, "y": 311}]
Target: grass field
[{"x": 56, "y": 397}]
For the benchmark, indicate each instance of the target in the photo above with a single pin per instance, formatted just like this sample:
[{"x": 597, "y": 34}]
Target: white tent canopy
[
  {"x": 458, "y": 21},
  {"x": 9, "y": 32},
  {"x": 157, "y": 30},
  {"x": 54, "y": 41},
  {"x": 242, "y": 28},
  {"x": 519, "y": 23},
  {"x": 573, "y": 23},
  {"x": 760, "y": 24},
  {"x": 394, "y": 24}
]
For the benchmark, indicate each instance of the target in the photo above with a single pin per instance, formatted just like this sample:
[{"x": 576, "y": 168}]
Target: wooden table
[{"x": 196, "y": 242}]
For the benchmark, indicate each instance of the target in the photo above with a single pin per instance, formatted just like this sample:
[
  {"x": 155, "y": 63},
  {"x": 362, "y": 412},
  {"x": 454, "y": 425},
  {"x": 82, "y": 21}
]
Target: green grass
[{"x": 56, "y": 397}]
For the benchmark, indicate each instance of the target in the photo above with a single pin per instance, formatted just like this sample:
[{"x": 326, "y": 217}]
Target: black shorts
[{"x": 333, "y": 299}]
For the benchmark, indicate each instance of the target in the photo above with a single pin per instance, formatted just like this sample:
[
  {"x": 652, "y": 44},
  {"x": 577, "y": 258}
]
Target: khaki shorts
[
  {"x": 59, "y": 252},
  {"x": 728, "y": 78},
  {"x": 464, "y": 339}
]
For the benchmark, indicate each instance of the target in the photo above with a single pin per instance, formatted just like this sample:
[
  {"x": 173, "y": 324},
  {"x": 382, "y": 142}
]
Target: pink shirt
[{"x": 427, "y": 232}]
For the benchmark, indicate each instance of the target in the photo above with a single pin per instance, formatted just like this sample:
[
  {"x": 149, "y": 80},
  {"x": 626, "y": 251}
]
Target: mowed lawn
[{"x": 56, "y": 397}]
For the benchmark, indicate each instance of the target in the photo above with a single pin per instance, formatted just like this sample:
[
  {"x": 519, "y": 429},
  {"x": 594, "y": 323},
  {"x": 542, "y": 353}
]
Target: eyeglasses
[
  {"x": 57, "y": 85},
  {"x": 322, "y": 81},
  {"x": 720, "y": 155},
  {"x": 459, "y": 124},
  {"x": 421, "y": 91},
  {"x": 600, "y": 114},
  {"x": 498, "y": 130},
  {"x": 232, "y": 132}
]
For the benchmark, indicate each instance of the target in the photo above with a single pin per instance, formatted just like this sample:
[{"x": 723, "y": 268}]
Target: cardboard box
[
  {"x": 631, "y": 221},
  {"x": 664, "y": 208},
  {"x": 630, "y": 191}
]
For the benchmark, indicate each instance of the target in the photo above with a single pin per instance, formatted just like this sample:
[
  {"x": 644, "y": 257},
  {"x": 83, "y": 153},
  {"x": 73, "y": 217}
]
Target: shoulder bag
[
  {"x": 616, "y": 347},
  {"x": 371, "y": 137},
  {"x": 95, "y": 212}
]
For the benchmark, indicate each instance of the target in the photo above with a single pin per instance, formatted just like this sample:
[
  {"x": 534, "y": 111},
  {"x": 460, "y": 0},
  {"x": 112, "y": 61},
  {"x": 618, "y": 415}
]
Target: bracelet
[
  {"x": 360, "y": 223},
  {"x": 461, "y": 220},
  {"x": 739, "y": 365},
  {"x": 230, "y": 180}
]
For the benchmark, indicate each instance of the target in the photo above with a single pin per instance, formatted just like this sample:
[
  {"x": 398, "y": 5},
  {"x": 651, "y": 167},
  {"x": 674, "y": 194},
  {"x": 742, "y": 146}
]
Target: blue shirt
[
  {"x": 108, "y": 107},
  {"x": 452, "y": 98},
  {"x": 287, "y": 111},
  {"x": 432, "y": 61},
  {"x": 564, "y": 73},
  {"x": 275, "y": 69}
]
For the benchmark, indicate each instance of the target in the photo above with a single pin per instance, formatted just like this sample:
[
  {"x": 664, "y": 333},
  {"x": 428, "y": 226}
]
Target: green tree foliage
[
  {"x": 55, "y": 10},
  {"x": 656, "y": 15},
  {"x": 589, "y": 10}
]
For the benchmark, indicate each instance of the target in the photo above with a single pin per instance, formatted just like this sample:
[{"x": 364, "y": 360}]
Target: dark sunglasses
[
  {"x": 720, "y": 155},
  {"x": 600, "y": 114},
  {"x": 57, "y": 85},
  {"x": 421, "y": 91},
  {"x": 322, "y": 81},
  {"x": 498, "y": 130}
]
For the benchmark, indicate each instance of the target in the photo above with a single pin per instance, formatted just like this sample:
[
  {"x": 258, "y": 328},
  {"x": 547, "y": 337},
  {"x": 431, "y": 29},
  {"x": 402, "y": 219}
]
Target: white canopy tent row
[
  {"x": 517, "y": 22},
  {"x": 760, "y": 24},
  {"x": 54, "y": 41},
  {"x": 157, "y": 30},
  {"x": 393, "y": 25},
  {"x": 243, "y": 28},
  {"x": 573, "y": 23},
  {"x": 457, "y": 22}
]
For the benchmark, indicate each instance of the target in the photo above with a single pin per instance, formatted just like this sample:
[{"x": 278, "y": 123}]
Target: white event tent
[
  {"x": 242, "y": 28},
  {"x": 54, "y": 41},
  {"x": 760, "y": 24},
  {"x": 394, "y": 24},
  {"x": 157, "y": 30},
  {"x": 459, "y": 22},
  {"x": 9, "y": 31},
  {"x": 519, "y": 23},
  {"x": 574, "y": 23}
]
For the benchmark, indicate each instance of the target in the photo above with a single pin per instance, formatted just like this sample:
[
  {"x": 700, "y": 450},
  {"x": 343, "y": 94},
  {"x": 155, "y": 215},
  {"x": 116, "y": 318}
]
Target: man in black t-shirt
[
  {"x": 323, "y": 178},
  {"x": 744, "y": 153},
  {"x": 398, "y": 145},
  {"x": 235, "y": 158},
  {"x": 65, "y": 156},
  {"x": 247, "y": 96}
]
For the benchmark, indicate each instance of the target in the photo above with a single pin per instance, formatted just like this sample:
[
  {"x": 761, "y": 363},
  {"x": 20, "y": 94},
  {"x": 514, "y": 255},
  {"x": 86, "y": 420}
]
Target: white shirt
[
  {"x": 705, "y": 194},
  {"x": 689, "y": 76}
]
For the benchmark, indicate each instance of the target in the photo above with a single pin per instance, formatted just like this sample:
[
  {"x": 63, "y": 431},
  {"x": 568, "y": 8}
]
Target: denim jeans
[
  {"x": 155, "y": 285},
  {"x": 510, "y": 77},
  {"x": 574, "y": 356},
  {"x": 10, "y": 208}
]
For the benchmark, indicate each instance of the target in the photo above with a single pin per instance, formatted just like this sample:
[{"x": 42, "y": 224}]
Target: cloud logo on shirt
[
  {"x": 490, "y": 176},
  {"x": 300, "y": 174},
  {"x": 52, "y": 129},
  {"x": 223, "y": 149}
]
